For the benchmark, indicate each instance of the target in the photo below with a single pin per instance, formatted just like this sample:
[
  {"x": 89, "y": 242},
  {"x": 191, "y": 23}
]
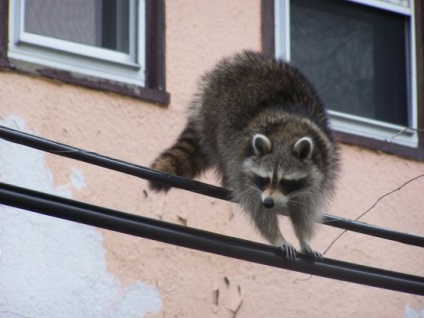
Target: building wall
[{"x": 56, "y": 268}]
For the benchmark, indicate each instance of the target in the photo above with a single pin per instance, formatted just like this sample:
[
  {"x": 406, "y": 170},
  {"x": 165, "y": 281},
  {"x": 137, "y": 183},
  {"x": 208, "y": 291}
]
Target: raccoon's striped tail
[{"x": 183, "y": 159}]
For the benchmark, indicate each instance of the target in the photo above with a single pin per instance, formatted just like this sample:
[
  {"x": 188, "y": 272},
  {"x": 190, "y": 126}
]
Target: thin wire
[
  {"x": 53, "y": 147},
  {"x": 372, "y": 207}
]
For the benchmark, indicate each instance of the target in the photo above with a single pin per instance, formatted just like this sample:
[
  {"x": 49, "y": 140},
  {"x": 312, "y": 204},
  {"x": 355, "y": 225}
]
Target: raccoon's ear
[
  {"x": 303, "y": 148},
  {"x": 261, "y": 144}
]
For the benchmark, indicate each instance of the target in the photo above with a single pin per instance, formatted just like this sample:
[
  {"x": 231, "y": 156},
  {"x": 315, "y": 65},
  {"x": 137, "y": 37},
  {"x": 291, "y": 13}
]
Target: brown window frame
[
  {"x": 268, "y": 48},
  {"x": 155, "y": 86}
]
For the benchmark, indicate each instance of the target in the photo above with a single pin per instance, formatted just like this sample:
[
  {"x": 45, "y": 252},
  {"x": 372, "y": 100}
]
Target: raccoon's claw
[
  {"x": 288, "y": 251},
  {"x": 312, "y": 255}
]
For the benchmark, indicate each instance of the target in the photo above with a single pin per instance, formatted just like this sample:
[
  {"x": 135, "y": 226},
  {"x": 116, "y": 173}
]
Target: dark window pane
[
  {"x": 115, "y": 25},
  {"x": 100, "y": 23},
  {"x": 355, "y": 55}
]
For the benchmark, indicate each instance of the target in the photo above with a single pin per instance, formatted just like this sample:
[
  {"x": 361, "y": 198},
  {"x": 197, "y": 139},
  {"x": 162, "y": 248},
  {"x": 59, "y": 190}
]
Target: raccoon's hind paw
[
  {"x": 289, "y": 252},
  {"x": 161, "y": 165},
  {"x": 312, "y": 255},
  {"x": 158, "y": 187}
]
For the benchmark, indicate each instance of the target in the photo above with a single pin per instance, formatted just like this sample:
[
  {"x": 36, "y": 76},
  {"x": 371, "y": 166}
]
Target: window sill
[
  {"x": 380, "y": 145},
  {"x": 148, "y": 94}
]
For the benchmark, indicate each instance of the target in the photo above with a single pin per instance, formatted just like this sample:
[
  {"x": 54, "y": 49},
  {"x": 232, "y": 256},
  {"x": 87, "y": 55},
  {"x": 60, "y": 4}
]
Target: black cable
[
  {"x": 63, "y": 150},
  {"x": 204, "y": 241},
  {"x": 373, "y": 230},
  {"x": 43, "y": 144}
]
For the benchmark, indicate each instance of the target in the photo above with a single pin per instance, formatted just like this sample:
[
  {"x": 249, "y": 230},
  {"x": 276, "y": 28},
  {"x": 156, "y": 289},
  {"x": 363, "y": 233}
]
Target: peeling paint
[
  {"x": 77, "y": 179},
  {"x": 51, "y": 267},
  {"x": 410, "y": 312}
]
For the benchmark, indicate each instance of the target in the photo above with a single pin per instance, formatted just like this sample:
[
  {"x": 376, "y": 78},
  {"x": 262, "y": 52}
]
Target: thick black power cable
[
  {"x": 43, "y": 144},
  {"x": 204, "y": 241}
]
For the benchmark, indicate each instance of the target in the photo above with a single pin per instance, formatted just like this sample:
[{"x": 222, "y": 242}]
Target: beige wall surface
[{"x": 91, "y": 272}]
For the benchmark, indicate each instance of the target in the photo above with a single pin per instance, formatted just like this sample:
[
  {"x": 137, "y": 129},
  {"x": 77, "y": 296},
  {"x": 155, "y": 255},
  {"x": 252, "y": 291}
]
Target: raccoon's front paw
[
  {"x": 288, "y": 251},
  {"x": 312, "y": 254}
]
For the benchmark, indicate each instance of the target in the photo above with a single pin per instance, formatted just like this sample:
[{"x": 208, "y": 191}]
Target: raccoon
[{"x": 259, "y": 122}]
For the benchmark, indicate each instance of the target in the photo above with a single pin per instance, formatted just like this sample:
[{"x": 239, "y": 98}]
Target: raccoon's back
[{"x": 242, "y": 86}]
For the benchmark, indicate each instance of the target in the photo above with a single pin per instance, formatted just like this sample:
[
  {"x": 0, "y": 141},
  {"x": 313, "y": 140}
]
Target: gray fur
[{"x": 256, "y": 116}]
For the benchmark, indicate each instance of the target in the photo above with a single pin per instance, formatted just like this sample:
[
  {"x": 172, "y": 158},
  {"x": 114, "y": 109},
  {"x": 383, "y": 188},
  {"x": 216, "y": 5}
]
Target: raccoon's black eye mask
[
  {"x": 287, "y": 186},
  {"x": 290, "y": 186},
  {"x": 261, "y": 182}
]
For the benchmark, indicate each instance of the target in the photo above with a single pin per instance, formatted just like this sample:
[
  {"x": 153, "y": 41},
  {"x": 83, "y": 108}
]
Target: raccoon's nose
[{"x": 268, "y": 203}]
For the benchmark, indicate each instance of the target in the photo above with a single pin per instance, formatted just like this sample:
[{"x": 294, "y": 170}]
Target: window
[
  {"x": 345, "y": 50},
  {"x": 111, "y": 44},
  {"x": 361, "y": 57}
]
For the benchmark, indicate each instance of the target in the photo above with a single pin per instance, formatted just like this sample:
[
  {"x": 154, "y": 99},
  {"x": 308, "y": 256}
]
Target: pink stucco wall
[{"x": 198, "y": 34}]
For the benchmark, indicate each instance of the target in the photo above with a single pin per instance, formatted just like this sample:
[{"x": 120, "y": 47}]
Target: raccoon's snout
[{"x": 268, "y": 203}]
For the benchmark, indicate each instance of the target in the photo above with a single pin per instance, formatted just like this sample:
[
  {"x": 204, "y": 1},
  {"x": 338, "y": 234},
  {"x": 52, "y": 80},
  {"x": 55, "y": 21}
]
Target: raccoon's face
[{"x": 280, "y": 174}]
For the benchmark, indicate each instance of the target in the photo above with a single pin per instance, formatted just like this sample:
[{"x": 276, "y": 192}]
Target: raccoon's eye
[
  {"x": 290, "y": 186},
  {"x": 261, "y": 182}
]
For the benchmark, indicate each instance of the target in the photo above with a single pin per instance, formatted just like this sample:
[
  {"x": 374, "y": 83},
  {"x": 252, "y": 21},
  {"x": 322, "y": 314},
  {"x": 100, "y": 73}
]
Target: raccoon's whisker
[
  {"x": 307, "y": 201},
  {"x": 297, "y": 204},
  {"x": 308, "y": 196},
  {"x": 255, "y": 188},
  {"x": 302, "y": 199},
  {"x": 302, "y": 191}
]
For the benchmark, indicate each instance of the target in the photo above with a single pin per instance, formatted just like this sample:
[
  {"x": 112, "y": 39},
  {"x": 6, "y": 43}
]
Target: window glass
[
  {"x": 98, "y": 23},
  {"x": 355, "y": 56}
]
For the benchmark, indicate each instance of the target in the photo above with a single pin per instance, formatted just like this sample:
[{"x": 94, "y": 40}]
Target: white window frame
[
  {"x": 80, "y": 58},
  {"x": 350, "y": 123}
]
